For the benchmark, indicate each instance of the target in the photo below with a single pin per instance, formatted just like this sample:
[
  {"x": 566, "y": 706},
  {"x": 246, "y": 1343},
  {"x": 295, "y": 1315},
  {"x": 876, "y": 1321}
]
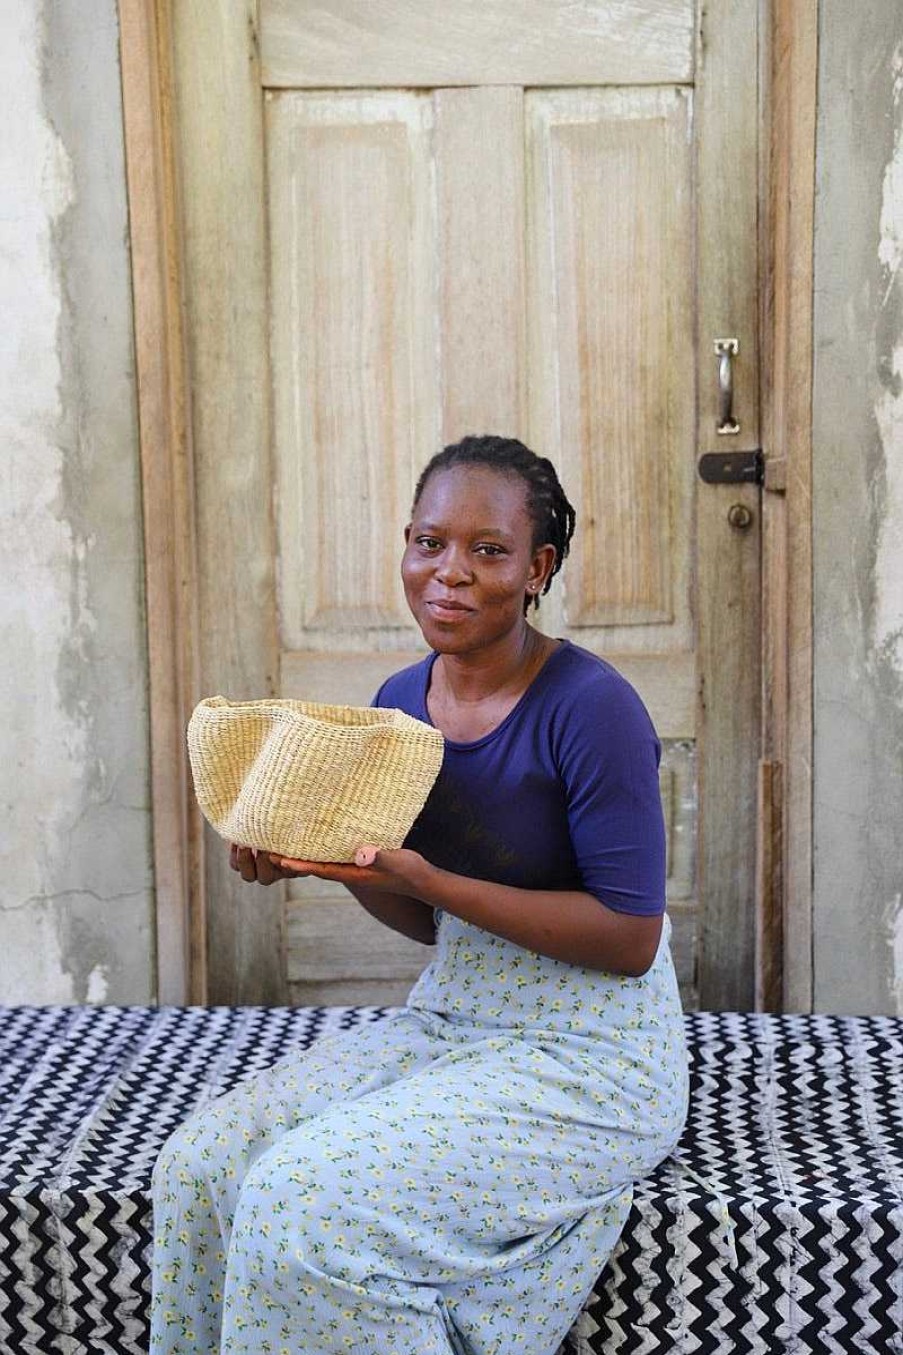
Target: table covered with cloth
[{"x": 777, "y": 1224}]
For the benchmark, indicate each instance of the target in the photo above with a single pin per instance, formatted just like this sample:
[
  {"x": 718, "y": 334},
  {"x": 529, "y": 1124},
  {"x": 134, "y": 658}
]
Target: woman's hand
[
  {"x": 390, "y": 872},
  {"x": 380, "y": 881}
]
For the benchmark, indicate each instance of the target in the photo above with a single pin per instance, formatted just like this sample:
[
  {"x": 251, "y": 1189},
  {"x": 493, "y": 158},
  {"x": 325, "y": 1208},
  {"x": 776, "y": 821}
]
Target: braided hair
[{"x": 551, "y": 512}]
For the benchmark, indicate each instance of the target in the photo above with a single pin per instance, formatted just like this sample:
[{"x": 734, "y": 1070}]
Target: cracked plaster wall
[
  {"x": 76, "y": 900},
  {"x": 858, "y": 510}
]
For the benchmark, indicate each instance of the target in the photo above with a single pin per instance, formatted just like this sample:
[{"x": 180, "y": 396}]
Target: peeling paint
[
  {"x": 97, "y": 984},
  {"x": 890, "y": 247},
  {"x": 57, "y": 179},
  {"x": 893, "y": 924},
  {"x": 76, "y": 898},
  {"x": 36, "y": 545},
  {"x": 889, "y": 402}
]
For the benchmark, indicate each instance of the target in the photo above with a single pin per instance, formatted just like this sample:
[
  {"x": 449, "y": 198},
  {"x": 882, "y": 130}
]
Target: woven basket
[{"x": 309, "y": 780}]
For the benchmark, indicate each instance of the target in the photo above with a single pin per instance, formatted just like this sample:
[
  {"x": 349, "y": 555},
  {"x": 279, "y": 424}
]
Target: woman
[{"x": 453, "y": 1177}]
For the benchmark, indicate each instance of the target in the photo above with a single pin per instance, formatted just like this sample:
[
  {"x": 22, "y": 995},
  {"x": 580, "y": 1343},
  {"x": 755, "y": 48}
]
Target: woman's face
[{"x": 469, "y": 560}]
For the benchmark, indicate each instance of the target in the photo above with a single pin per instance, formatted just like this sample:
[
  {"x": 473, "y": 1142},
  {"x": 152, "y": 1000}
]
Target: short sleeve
[{"x": 609, "y": 757}]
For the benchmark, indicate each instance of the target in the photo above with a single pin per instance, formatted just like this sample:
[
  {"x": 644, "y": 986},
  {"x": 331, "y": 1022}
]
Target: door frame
[
  {"x": 785, "y": 880},
  {"x": 167, "y": 231}
]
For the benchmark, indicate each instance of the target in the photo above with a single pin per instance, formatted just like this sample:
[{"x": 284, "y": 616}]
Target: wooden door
[{"x": 409, "y": 221}]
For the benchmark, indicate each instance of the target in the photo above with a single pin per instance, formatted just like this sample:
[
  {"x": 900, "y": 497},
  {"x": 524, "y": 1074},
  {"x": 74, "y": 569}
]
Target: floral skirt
[{"x": 451, "y": 1178}]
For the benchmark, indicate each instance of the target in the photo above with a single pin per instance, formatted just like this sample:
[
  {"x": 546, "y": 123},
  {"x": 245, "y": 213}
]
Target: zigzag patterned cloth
[{"x": 777, "y": 1226}]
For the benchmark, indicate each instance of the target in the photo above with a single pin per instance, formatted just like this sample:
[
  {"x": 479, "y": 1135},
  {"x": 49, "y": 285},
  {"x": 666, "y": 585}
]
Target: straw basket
[{"x": 310, "y": 780}]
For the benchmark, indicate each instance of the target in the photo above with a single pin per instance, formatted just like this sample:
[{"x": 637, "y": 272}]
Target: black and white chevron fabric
[{"x": 777, "y": 1226}]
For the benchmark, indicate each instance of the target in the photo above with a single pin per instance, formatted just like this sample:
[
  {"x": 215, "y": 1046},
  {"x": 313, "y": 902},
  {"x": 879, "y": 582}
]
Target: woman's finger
[
  {"x": 267, "y": 872},
  {"x": 292, "y": 867},
  {"x": 247, "y": 865}
]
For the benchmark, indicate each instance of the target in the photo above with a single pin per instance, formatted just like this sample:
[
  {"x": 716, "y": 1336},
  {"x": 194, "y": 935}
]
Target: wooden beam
[
  {"x": 789, "y": 70},
  {"x": 219, "y": 146},
  {"x": 728, "y": 557},
  {"x": 169, "y": 544},
  {"x": 769, "y": 876}
]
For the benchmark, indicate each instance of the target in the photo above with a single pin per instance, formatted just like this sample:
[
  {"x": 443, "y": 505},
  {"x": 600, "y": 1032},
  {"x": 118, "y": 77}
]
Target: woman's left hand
[{"x": 393, "y": 872}]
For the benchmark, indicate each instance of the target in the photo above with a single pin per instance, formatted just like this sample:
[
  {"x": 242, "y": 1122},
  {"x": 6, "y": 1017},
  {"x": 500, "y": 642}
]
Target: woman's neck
[{"x": 511, "y": 662}]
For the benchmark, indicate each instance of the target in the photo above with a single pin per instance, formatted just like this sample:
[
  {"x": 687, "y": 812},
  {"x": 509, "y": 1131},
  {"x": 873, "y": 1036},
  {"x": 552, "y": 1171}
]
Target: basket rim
[{"x": 329, "y": 714}]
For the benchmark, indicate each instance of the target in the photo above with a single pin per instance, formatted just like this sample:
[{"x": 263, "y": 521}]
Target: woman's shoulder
[
  {"x": 579, "y": 670},
  {"x": 588, "y": 689}
]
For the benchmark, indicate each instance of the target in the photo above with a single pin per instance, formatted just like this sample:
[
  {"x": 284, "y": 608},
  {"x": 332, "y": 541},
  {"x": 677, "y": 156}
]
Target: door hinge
[{"x": 733, "y": 468}]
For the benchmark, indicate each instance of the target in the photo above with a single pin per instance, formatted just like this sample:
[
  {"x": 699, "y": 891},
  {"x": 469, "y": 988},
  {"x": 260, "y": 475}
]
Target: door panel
[
  {"x": 470, "y": 260},
  {"x": 353, "y": 258},
  {"x": 480, "y": 185},
  {"x": 612, "y": 368},
  {"x": 435, "y": 43}
]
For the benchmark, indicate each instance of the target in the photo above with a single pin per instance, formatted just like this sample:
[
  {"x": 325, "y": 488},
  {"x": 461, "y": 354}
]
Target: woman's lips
[{"x": 448, "y": 611}]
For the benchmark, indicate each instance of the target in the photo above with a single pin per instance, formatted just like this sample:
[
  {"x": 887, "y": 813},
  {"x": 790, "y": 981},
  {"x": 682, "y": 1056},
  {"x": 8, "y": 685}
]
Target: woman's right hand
[
  {"x": 254, "y": 865},
  {"x": 410, "y": 917}
]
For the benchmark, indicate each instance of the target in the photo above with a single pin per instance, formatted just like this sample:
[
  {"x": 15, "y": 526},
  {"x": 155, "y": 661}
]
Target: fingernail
[{"x": 365, "y": 856}]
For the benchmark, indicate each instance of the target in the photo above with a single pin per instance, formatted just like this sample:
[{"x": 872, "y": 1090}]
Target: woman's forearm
[
  {"x": 411, "y": 917},
  {"x": 566, "y": 925}
]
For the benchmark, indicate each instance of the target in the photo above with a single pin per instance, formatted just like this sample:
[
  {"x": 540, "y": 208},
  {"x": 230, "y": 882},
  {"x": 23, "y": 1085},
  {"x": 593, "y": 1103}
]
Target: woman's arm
[{"x": 567, "y": 925}]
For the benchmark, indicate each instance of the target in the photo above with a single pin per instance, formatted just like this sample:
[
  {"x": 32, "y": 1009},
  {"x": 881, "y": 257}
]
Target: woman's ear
[
  {"x": 541, "y": 567},
  {"x": 407, "y": 534}
]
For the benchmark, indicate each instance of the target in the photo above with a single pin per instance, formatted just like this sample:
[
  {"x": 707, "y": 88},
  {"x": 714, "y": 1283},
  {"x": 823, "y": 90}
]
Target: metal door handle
[{"x": 725, "y": 349}]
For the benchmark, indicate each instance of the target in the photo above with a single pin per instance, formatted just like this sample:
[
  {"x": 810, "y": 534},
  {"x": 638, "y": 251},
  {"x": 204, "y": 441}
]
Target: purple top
[{"x": 563, "y": 794}]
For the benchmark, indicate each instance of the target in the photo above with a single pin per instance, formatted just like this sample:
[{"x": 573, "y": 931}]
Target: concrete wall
[
  {"x": 858, "y": 509},
  {"x": 76, "y": 903}
]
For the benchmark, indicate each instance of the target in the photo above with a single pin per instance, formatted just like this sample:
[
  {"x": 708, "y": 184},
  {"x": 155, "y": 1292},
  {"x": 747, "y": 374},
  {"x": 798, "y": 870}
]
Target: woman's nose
[{"x": 452, "y": 568}]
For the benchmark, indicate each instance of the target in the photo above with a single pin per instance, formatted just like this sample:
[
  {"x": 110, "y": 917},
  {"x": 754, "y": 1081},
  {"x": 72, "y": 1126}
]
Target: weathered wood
[
  {"x": 480, "y": 187},
  {"x": 329, "y": 933},
  {"x": 728, "y": 559},
  {"x": 611, "y": 342},
  {"x": 353, "y": 287},
  {"x": 350, "y": 993},
  {"x": 685, "y": 924},
  {"x": 770, "y": 890},
  {"x": 405, "y": 43},
  {"x": 677, "y": 779},
  {"x": 337, "y": 953},
  {"x": 222, "y": 142},
  {"x": 370, "y": 282},
  {"x": 219, "y": 144},
  {"x": 790, "y": 62},
  {"x": 169, "y": 543},
  {"x": 348, "y": 678}
]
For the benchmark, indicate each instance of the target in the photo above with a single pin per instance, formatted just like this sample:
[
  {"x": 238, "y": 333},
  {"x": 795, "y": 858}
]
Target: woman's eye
[
  {"x": 428, "y": 542},
  {"x": 487, "y": 549}
]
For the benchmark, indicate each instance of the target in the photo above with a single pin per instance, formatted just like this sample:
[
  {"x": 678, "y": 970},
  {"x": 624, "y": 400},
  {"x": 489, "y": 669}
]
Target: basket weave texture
[{"x": 309, "y": 780}]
